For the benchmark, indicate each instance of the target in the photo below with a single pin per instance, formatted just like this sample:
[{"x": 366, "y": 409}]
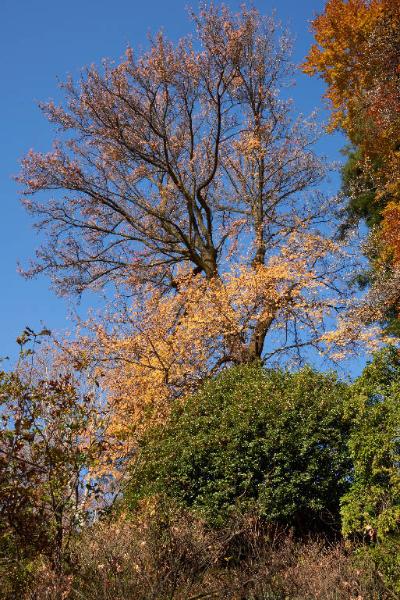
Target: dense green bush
[
  {"x": 253, "y": 439},
  {"x": 371, "y": 507},
  {"x": 373, "y": 501}
]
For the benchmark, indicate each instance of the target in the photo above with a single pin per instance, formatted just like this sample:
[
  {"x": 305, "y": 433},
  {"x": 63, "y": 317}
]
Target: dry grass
[{"x": 166, "y": 554}]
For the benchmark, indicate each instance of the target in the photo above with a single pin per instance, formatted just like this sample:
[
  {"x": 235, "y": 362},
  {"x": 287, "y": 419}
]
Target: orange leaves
[
  {"x": 391, "y": 230},
  {"x": 171, "y": 343},
  {"x": 342, "y": 34},
  {"x": 357, "y": 53}
]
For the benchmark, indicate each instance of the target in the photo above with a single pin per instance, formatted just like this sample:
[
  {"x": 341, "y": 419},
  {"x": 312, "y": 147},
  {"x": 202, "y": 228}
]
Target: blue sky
[{"x": 45, "y": 40}]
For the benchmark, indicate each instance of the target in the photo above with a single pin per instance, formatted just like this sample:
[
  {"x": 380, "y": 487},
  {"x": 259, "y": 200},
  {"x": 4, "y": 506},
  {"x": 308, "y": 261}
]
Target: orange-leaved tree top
[{"x": 357, "y": 53}]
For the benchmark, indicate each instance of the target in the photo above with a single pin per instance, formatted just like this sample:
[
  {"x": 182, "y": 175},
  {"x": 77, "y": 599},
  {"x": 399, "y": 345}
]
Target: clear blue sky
[{"x": 42, "y": 40}]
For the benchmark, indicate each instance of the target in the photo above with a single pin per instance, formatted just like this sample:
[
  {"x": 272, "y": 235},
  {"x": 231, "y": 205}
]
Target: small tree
[{"x": 50, "y": 436}]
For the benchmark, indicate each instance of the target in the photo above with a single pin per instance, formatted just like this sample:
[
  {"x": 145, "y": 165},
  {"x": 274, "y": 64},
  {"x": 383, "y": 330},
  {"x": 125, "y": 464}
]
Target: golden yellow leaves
[{"x": 172, "y": 342}]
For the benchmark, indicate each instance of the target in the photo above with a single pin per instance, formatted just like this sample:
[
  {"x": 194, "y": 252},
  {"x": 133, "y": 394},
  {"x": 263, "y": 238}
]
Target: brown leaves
[{"x": 49, "y": 438}]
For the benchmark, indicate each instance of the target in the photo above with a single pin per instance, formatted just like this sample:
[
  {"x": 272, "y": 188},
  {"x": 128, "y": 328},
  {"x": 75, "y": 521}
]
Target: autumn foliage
[
  {"x": 171, "y": 156},
  {"x": 183, "y": 178},
  {"x": 166, "y": 447},
  {"x": 357, "y": 54}
]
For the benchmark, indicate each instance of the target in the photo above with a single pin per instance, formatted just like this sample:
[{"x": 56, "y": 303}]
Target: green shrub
[
  {"x": 371, "y": 507},
  {"x": 252, "y": 439},
  {"x": 382, "y": 558},
  {"x": 372, "y": 504}
]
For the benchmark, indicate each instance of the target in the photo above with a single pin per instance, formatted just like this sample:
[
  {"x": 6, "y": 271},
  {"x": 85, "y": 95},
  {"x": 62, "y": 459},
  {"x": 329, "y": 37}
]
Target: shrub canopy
[
  {"x": 252, "y": 439},
  {"x": 373, "y": 502}
]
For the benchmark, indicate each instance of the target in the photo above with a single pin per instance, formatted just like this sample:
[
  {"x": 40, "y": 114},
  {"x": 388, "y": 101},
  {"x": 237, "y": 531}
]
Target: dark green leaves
[{"x": 253, "y": 439}]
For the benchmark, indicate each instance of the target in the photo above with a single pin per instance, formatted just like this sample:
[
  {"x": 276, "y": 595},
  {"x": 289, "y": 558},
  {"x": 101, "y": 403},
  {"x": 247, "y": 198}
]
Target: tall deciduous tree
[
  {"x": 182, "y": 176},
  {"x": 171, "y": 155}
]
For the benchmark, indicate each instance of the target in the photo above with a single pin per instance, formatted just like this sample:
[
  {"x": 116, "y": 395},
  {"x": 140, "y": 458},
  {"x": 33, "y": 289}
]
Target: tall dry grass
[{"x": 166, "y": 554}]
